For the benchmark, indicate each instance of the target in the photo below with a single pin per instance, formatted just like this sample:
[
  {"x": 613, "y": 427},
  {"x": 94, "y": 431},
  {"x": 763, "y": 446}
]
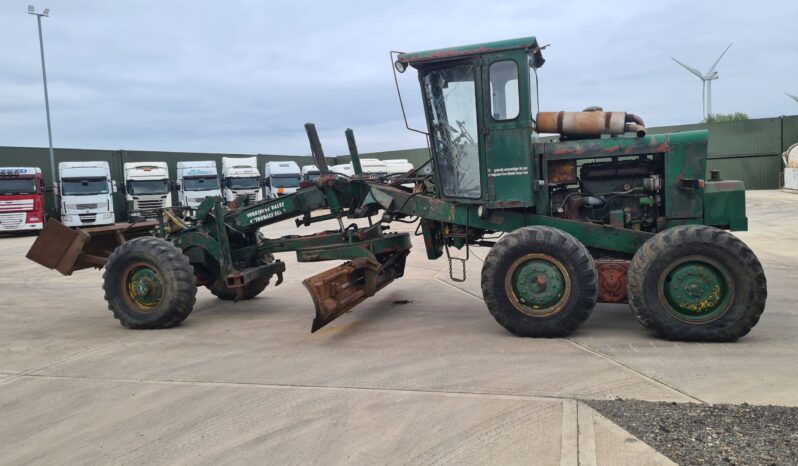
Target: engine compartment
[{"x": 622, "y": 193}]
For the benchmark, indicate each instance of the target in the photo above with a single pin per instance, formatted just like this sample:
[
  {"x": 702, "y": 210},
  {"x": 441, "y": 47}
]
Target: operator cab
[{"x": 480, "y": 101}]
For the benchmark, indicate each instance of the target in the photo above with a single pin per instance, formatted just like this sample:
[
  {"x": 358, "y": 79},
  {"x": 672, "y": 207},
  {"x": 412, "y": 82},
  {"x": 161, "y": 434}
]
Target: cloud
[{"x": 244, "y": 76}]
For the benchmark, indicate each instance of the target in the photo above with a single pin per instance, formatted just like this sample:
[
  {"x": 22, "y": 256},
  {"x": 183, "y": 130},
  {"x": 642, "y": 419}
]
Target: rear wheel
[
  {"x": 539, "y": 282},
  {"x": 149, "y": 284},
  {"x": 697, "y": 283},
  {"x": 220, "y": 289}
]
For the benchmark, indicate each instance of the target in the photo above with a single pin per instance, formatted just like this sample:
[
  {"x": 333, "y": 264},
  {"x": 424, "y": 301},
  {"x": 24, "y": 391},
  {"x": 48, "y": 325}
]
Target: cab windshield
[
  {"x": 84, "y": 186},
  {"x": 311, "y": 176},
  {"x": 242, "y": 183},
  {"x": 201, "y": 183},
  {"x": 451, "y": 99},
  {"x": 141, "y": 187},
  {"x": 17, "y": 186},
  {"x": 285, "y": 181}
]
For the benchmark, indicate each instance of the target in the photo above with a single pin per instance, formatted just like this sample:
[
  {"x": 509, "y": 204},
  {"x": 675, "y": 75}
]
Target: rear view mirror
[{"x": 113, "y": 186}]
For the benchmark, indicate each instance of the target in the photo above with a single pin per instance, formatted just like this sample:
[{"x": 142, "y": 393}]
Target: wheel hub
[
  {"x": 144, "y": 286},
  {"x": 538, "y": 284},
  {"x": 696, "y": 289}
]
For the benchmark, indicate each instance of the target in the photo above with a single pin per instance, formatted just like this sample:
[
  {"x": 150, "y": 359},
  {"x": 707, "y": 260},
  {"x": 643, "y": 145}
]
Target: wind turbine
[
  {"x": 706, "y": 82},
  {"x": 794, "y": 97}
]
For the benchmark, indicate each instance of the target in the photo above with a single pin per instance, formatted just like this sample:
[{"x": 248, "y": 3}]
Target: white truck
[
  {"x": 343, "y": 168},
  {"x": 399, "y": 167},
  {"x": 197, "y": 181},
  {"x": 241, "y": 178},
  {"x": 373, "y": 168},
  {"x": 147, "y": 188},
  {"x": 281, "y": 178},
  {"x": 86, "y": 193},
  {"x": 310, "y": 172}
]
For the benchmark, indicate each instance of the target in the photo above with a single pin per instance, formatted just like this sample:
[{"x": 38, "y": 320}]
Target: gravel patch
[{"x": 690, "y": 433}]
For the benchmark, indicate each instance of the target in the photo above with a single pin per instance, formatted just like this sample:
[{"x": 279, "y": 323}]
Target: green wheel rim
[
  {"x": 696, "y": 289},
  {"x": 538, "y": 284},
  {"x": 144, "y": 286}
]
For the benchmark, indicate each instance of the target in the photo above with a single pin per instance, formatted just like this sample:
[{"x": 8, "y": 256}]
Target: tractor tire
[
  {"x": 696, "y": 283},
  {"x": 149, "y": 284},
  {"x": 539, "y": 282},
  {"x": 220, "y": 289}
]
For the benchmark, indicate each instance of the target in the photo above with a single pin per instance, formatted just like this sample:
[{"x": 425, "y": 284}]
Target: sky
[{"x": 244, "y": 76}]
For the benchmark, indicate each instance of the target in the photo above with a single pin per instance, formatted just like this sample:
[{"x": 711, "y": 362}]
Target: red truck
[{"x": 21, "y": 199}]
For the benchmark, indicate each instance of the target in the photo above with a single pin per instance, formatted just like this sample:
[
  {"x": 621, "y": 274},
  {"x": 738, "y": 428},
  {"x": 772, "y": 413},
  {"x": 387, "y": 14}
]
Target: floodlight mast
[
  {"x": 706, "y": 82},
  {"x": 793, "y": 97},
  {"x": 54, "y": 173}
]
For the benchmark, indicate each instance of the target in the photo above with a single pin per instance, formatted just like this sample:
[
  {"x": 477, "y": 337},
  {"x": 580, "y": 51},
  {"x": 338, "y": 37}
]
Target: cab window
[{"x": 504, "y": 100}]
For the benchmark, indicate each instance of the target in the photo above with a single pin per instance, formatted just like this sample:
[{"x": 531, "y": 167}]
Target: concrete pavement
[{"x": 421, "y": 373}]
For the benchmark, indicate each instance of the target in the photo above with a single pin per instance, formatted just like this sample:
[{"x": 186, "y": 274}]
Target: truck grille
[
  {"x": 11, "y": 220},
  {"x": 16, "y": 205},
  {"x": 252, "y": 198},
  {"x": 87, "y": 206},
  {"x": 151, "y": 204}
]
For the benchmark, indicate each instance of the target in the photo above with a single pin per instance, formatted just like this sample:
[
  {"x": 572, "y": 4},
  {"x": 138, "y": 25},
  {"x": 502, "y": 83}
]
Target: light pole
[{"x": 54, "y": 174}]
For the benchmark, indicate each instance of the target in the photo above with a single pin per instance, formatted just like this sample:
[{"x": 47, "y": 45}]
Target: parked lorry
[
  {"x": 398, "y": 166},
  {"x": 281, "y": 178},
  {"x": 374, "y": 168},
  {"x": 606, "y": 213},
  {"x": 86, "y": 193},
  {"x": 196, "y": 181},
  {"x": 21, "y": 199},
  {"x": 241, "y": 177},
  {"x": 147, "y": 188},
  {"x": 310, "y": 172}
]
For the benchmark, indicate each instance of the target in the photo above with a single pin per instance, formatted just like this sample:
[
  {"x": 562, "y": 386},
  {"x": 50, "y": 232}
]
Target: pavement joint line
[
  {"x": 55, "y": 362},
  {"x": 407, "y": 391},
  {"x": 458, "y": 288},
  {"x": 569, "y": 439},
  {"x": 635, "y": 371},
  {"x": 586, "y": 435}
]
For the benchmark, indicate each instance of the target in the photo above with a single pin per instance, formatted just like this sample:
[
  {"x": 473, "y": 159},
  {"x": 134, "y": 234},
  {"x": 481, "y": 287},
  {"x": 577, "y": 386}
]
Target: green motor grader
[{"x": 599, "y": 212}]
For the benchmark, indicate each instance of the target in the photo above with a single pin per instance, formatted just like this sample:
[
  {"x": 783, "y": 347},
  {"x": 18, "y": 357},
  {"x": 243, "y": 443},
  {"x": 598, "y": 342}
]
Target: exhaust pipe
[{"x": 590, "y": 123}]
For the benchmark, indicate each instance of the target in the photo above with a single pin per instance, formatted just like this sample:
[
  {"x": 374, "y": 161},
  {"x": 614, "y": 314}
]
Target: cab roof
[{"x": 417, "y": 59}]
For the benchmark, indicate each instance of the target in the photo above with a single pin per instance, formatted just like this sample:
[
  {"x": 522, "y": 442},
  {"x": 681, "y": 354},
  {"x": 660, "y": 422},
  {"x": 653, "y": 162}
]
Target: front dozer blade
[
  {"x": 341, "y": 288},
  {"x": 66, "y": 250}
]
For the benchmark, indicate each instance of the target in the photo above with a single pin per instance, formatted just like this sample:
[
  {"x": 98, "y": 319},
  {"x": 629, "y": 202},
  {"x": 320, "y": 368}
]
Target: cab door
[{"x": 507, "y": 128}]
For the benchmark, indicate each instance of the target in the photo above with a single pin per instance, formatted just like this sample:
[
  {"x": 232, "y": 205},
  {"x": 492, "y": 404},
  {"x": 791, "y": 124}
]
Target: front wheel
[
  {"x": 696, "y": 283},
  {"x": 149, "y": 284},
  {"x": 539, "y": 282}
]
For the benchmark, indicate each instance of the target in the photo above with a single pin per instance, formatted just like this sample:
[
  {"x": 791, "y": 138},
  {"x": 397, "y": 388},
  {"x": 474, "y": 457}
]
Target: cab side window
[{"x": 504, "y": 100}]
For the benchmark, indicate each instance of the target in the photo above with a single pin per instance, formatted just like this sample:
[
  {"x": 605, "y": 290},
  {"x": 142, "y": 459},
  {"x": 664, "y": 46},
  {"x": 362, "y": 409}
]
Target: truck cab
[
  {"x": 310, "y": 173},
  {"x": 196, "y": 181},
  {"x": 281, "y": 178},
  {"x": 398, "y": 166},
  {"x": 344, "y": 169},
  {"x": 373, "y": 168},
  {"x": 86, "y": 193},
  {"x": 147, "y": 188},
  {"x": 21, "y": 199},
  {"x": 241, "y": 178}
]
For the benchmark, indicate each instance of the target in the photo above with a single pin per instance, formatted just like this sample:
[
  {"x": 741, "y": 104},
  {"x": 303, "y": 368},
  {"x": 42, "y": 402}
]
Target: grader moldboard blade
[
  {"x": 66, "y": 250},
  {"x": 337, "y": 290}
]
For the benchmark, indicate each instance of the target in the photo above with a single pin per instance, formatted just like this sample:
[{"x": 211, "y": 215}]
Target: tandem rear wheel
[
  {"x": 149, "y": 284},
  {"x": 539, "y": 282},
  {"x": 696, "y": 283}
]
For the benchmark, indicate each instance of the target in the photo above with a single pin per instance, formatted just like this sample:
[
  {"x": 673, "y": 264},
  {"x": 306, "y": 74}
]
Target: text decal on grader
[{"x": 605, "y": 212}]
